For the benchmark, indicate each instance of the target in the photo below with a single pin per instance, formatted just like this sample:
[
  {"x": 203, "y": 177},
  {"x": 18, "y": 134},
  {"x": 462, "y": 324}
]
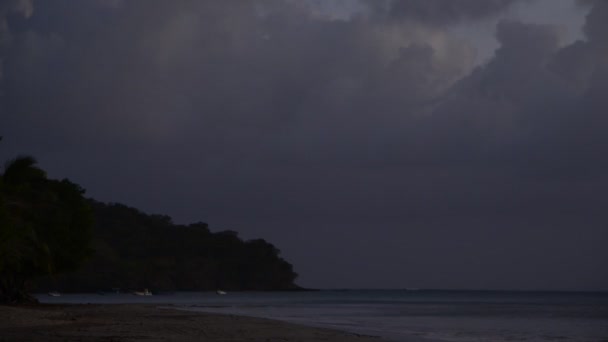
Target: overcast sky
[{"x": 377, "y": 143}]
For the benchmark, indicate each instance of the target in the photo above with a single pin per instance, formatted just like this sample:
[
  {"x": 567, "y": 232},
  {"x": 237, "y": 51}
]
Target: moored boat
[{"x": 145, "y": 292}]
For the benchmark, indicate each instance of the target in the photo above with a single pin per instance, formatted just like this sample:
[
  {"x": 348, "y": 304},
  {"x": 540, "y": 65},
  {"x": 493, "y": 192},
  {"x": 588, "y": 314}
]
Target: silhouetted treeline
[
  {"x": 45, "y": 228},
  {"x": 134, "y": 250}
]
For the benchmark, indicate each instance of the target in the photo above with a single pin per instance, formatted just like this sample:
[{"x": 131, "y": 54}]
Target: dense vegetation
[
  {"x": 134, "y": 250},
  {"x": 45, "y": 228},
  {"x": 52, "y": 238}
]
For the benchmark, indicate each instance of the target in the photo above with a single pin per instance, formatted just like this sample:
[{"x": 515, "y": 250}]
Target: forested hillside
[
  {"x": 45, "y": 228},
  {"x": 134, "y": 250}
]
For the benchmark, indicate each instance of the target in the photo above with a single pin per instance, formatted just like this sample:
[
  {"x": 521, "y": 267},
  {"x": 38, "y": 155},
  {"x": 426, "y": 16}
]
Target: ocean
[{"x": 405, "y": 315}]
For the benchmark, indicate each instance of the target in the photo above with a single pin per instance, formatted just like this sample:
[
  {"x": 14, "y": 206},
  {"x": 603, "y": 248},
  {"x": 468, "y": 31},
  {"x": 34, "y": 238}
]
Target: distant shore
[{"x": 145, "y": 322}]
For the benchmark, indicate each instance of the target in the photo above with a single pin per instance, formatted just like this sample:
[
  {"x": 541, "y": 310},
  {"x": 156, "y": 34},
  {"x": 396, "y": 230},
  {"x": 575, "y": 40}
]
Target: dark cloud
[
  {"x": 10, "y": 8},
  {"x": 368, "y": 135},
  {"x": 435, "y": 12}
]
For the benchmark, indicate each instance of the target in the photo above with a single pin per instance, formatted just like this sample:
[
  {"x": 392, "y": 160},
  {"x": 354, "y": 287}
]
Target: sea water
[{"x": 406, "y": 315}]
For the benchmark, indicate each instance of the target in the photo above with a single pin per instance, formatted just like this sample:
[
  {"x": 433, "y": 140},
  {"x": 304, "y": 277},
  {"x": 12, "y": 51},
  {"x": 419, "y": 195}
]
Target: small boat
[
  {"x": 145, "y": 292},
  {"x": 54, "y": 294},
  {"x": 220, "y": 292}
]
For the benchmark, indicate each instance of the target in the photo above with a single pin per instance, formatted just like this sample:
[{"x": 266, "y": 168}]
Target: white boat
[
  {"x": 54, "y": 294},
  {"x": 145, "y": 292},
  {"x": 220, "y": 292}
]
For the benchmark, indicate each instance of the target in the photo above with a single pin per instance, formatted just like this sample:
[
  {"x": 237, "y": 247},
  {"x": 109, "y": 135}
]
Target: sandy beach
[{"x": 134, "y": 322}]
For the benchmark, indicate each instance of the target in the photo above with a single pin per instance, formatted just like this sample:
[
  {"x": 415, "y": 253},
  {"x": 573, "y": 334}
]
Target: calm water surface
[{"x": 406, "y": 315}]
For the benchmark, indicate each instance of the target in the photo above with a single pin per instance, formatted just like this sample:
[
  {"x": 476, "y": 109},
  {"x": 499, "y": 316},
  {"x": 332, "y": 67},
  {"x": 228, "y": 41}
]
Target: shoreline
[{"x": 151, "y": 322}]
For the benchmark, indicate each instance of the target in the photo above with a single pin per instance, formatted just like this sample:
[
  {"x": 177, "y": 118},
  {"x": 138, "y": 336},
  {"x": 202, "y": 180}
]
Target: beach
[
  {"x": 148, "y": 322},
  {"x": 326, "y": 315}
]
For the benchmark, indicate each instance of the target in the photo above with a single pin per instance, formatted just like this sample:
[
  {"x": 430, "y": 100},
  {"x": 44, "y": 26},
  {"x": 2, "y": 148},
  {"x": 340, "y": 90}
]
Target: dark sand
[{"x": 150, "y": 323}]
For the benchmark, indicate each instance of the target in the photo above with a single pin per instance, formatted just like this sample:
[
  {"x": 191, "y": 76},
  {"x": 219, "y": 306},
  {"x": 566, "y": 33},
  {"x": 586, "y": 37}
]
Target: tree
[{"x": 45, "y": 227}]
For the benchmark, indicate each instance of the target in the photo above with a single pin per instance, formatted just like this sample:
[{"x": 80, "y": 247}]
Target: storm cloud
[
  {"x": 438, "y": 12},
  {"x": 371, "y": 148}
]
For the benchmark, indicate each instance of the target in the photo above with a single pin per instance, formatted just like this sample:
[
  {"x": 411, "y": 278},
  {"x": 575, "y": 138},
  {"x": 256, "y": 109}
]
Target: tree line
[
  {"x": 134, "y": 250},
  {"x": 53, "y": 238}
]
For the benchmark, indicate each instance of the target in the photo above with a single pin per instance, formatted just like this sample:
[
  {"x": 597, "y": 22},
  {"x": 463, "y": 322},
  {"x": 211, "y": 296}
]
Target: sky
[{"x": 377, "y": 143}]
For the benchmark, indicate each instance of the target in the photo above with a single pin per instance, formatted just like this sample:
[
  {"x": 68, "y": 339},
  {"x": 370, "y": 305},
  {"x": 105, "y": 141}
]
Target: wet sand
[{"x": 143, "y": 322}]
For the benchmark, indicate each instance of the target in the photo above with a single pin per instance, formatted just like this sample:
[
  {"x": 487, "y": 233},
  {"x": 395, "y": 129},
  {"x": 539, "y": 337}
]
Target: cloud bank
[{"x": 374, "y": 134}]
